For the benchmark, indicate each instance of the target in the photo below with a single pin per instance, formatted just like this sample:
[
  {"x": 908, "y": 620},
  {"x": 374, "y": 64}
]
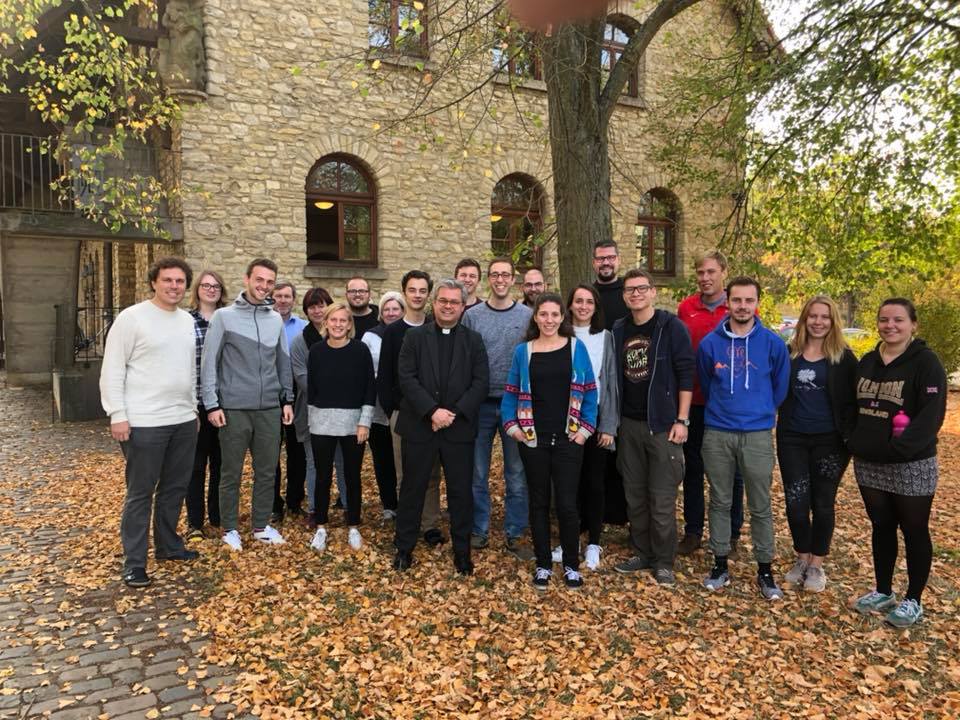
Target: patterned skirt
[{"x": 915, "y": 478}]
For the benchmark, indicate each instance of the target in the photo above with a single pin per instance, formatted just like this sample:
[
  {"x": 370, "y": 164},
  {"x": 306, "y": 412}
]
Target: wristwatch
[{"x": 683, "y": 421}]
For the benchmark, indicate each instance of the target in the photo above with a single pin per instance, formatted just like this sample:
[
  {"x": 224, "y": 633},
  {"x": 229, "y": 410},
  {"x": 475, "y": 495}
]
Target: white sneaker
[
  {"x": 557, "y": 555},
  {"x": 591, "y": 558},
  {"x": 354, "y": 539},
  {"x": 270, "y": 536},
  {"x": 319, "y": 541},
  {"x": 232, "y": 540}
]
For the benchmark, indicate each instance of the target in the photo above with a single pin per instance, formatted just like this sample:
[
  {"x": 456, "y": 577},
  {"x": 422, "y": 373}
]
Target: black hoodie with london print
[{"x": 915, "y": 383}]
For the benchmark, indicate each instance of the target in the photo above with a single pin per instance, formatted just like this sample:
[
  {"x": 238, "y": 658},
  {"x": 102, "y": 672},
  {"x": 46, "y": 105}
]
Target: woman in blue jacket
[{"x": 550, "y": 407}]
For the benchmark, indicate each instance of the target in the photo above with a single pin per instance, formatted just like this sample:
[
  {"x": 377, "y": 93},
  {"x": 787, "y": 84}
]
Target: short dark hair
[
  {"x": 638, "y": 273},
  {"x": 902, "y": 302},
  {"x": 534, "y": 267},
  {"x": 605, "y": 244},
  {"x": 743, "y": 281},
  {"x": 467, "y": 262},
  {"x": 565, "y": 329},
  {"x": 316, "y": 296},
  {"x": 502, "y": 259},
  {"x": 166, "y": 263},
  {"x": 261, "y": 262},
  {"x": 281, "y": 284},
  {"x": 596, "y": 321},
  {"x": 416, "y": 275}
]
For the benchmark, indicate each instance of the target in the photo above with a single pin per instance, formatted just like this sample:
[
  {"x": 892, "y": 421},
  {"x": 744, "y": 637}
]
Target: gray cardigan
[{"x": 608, "y": 412}]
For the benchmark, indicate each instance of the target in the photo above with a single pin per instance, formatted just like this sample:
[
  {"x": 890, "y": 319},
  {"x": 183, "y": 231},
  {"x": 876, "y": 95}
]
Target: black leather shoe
[
  {"x": 182, "y": 555},
  {"x": 402, "y": 560},
  {"x": 463, "y": 564},
  {"x": 434, "y": 537}
]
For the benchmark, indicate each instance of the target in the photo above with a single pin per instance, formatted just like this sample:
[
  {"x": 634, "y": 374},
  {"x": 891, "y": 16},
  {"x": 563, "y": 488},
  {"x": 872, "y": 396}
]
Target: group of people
[{"x": 594, "y": 392}]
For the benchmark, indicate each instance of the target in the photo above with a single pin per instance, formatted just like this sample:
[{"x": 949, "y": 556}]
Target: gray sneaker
[
  {"x": 796, "y": 574},
  {"x": 768, "y": 587},
  {"x": 520, "y": 551},
  {"x": 815, "y": 580},
  {"x": 478, "y": 542},
  {"x": 664, "y": 576},
  {"x": 875, "y": 602},
  {"x": 716, "y": 579},
  {"x": 905, "y": 614},
  {"x": 633, "y": 565}
]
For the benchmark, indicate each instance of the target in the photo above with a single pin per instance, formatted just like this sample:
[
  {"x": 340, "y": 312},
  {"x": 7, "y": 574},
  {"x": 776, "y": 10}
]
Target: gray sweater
[
  {"x": 246, "y": 363},
  {"x": 502, "y": 331}
]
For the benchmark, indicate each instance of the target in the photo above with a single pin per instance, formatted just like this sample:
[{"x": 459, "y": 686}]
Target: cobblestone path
[{"x": 67, "y": 653}]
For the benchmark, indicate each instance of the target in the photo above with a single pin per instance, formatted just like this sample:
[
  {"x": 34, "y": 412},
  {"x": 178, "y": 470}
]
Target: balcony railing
[{"x": 30, "y": 178}]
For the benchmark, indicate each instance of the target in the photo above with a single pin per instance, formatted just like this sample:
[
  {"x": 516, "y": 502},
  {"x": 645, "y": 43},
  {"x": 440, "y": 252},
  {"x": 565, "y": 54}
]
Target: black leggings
[
  {"x": 592, "y": 487},
  {"x": 911, "y": 514}
]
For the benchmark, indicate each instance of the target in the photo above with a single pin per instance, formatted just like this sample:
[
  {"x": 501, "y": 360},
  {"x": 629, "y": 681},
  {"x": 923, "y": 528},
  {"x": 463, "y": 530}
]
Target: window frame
[
  {"x": 510, "y": 214},
  {"x": 515, "y": 41},
  {"x": 650, "y": 223},
  {"x": 341, "y": 199},
  {"x": 615, "y": 50},
  {"x": 419, "y": 49}
]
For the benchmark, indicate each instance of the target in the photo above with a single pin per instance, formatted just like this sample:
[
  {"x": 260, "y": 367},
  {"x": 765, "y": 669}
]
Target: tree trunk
[{"x": 578, "y": 142}]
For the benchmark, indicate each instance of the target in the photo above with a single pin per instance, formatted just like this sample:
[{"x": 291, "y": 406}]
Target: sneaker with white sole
[
  {"x": 541, "y": 578},
  {"x": 572, "y": 578},
  {"x": 319, "y": 541},
  {"x": 905, "y": 614},
  {"x": 718, "y": 578},
  {"x": 875, "y": 602},
  {"x": 354, "y": 539},
  {"x": 797, "y": 573},
  {"x": 591, "y": 558},
  {"x": 557, "y": 555},
  {"x": 232, "y": 540},
  {"x": 269, "y": 535},
  {"x": 815, "y": 580},
  {"x": 768, "y": 587}
]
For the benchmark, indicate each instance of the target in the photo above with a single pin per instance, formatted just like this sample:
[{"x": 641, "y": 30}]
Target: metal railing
[{"x": 32, "y": 169}]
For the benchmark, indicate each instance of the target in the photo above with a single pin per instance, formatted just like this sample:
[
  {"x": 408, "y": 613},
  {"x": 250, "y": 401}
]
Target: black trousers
[
  {"x": 384, "y": 467},
  {"x": 208, "y": 452},
  {"x": 593, "y": 489},
  {"x": 554, "y": 467},
  {"x": 324, "y": 447},
  {"x": 296, "y": 472},
  {"x": 811, "y": 466},
  {"x": 456, "y": 459}
]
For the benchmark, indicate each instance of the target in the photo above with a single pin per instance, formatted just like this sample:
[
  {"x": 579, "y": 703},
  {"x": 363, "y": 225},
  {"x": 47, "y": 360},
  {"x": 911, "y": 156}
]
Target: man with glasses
[
  {"x": 365, "y": 315},
  {"x": 502, "y": 323},
  {"x": 656, "y": 364},
  {"x": 444, "y": 379},
  {"x": 533, "y": 286},
  {"x": 606, "y": 264}
]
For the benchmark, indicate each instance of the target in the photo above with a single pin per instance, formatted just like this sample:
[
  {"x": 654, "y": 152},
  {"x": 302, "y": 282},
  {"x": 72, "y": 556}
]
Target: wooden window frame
[
  {"x": 509, "y": 214},
  {"x": 615, "y": 49},
  {"x": 340, "y": 200},
  {"x": 530, "y": 41},
  {"x": 420, "y": 49}
]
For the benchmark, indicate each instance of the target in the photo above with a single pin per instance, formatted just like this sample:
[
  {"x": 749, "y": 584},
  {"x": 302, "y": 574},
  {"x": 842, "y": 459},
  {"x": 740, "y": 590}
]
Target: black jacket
[
  {"x": 917, "y": 384},
  {"x": 673, "y": 367},
  {"x": 468, "y": 381},
  {"x": 841, "y": 390}
]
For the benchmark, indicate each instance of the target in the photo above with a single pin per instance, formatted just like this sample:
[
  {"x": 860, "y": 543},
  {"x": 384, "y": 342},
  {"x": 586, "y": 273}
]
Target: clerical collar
[{"x": 446, "y": 331}]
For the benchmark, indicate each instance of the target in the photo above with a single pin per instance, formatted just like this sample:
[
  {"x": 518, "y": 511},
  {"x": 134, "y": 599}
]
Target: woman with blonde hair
[
  {"x": 340, "y": 399},
  {"x": 814, "y": 424}
]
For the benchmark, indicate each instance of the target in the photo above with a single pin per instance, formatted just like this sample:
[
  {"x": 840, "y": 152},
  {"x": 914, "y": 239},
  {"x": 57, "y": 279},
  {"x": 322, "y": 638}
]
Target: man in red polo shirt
[{"x": 701, "y": 313}]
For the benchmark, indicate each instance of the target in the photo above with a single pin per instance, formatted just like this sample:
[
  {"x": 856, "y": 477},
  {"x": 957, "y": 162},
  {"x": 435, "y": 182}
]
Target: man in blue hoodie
[{"x": 744, "y": 370}]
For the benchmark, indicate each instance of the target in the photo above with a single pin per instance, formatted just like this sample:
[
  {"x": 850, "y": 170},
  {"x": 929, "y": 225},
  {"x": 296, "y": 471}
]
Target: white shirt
[{"x": 594, "y": 345}]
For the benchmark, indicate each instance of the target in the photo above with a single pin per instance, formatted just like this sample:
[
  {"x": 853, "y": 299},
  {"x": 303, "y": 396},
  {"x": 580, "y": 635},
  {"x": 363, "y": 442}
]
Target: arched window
[
  {"x": 657, "y": 220},
  {"x": 516, "y": 208},
  {"x": 616, "y": 35},
  {"x": 341, "y": 213}
]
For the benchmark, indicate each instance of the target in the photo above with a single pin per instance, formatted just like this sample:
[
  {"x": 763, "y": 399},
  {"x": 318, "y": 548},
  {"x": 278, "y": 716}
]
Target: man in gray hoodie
[{"x": 247, "y": 387}]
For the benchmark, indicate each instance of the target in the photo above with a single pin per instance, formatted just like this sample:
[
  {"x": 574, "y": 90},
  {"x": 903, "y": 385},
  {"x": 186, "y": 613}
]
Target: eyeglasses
[
  {"x": 500, "y": 276},
  {"x": 443, "y": 302},
  {"x": 209, "y": 286},
  {"x": 358, "y": 292},
  {"x": 637, "y": 290},
  {"x": 605, "y": 259}
]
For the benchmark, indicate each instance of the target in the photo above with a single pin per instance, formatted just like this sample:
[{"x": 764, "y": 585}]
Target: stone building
[{"x": 288, "y": 149}]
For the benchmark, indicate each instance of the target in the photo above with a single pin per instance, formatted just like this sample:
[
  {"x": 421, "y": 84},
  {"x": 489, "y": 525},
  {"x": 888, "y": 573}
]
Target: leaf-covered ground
[{"x": 340, "y": 634}]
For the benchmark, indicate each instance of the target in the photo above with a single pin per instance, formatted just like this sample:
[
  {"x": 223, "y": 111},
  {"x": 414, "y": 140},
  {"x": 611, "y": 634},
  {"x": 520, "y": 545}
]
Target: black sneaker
[
  {"x": 184, "y": 554},
  {"x": 136, "y": 577},
  {"x": 276, "y": 518},
  {"x": 541, "y": 578},
  {"x": 434, "y": 537},
  {"x": 572, "y": 578}
]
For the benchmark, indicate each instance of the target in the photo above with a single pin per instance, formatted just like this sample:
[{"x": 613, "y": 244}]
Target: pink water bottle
[{"x": 900, "y": 422}]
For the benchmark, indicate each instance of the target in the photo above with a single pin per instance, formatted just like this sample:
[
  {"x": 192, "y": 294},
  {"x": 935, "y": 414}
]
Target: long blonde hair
[
  {"x": 834, "y": 345},
  {"x": 335, "y": 307}
]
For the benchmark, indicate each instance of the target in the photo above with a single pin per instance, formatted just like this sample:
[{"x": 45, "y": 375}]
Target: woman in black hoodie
[{"x": 902, "y": 399}]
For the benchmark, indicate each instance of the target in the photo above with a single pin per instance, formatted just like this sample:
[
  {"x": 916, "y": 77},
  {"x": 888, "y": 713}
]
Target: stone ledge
[{"x": 339, "y": 272}]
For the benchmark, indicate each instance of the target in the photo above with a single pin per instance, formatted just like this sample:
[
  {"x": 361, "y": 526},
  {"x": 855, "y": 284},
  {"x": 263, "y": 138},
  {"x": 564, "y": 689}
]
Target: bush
[
  {"x": 940, "y": 327},
  {"x": 862, "y": 345}
]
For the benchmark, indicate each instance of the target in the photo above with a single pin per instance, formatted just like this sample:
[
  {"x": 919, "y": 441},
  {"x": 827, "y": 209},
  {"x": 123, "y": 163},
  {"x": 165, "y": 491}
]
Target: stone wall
[{"x": 247, "y": 149}]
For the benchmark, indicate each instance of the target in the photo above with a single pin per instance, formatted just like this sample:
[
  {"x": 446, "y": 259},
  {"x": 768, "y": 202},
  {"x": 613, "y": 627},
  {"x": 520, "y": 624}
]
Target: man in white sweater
[{"x": 148, "y": 388}]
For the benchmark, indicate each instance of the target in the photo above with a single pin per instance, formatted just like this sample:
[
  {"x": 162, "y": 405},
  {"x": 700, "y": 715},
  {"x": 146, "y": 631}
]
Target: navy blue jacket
[{"x": 673, "y": 364}]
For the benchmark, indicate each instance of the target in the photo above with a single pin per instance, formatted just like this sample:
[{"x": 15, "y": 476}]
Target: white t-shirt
[{"x": 594, "y": 345}]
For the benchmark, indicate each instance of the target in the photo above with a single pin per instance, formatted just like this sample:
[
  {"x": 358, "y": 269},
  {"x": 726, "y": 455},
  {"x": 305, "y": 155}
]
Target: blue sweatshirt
[{"x": 744, "y": 379}]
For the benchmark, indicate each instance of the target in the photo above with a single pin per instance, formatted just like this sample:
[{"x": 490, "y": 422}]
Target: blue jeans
[{"x": 516, "y": 512}]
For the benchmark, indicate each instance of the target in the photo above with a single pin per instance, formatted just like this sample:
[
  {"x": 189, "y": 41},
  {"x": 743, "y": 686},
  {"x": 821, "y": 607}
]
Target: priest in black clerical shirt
[{"x": 444, "y": 378}]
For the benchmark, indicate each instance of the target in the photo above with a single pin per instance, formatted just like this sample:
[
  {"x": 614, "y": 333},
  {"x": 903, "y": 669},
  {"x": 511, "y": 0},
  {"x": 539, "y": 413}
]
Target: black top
[
  {"x": 550, "y": 374},
  {"x": 915, "y": 383},
  {"x": 808, "y": 382},
  {"x": 445, "y": 338},
  {"x": 340, "y": 377},
  {"x": 637, "y": 365},
  {"x": 612, "y": 302},
  {"x": 388, "y": 378},
  {"x": 362, "y": 323}
]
